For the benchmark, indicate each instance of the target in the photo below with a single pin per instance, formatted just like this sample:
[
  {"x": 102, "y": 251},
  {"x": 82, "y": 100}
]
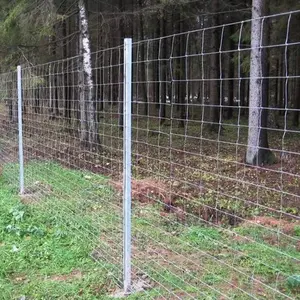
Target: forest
[
  {"x": 215, "y": 148},
  {"x": 219, "y": 72},
  {"x": 183, "y": 55},
  {"x": 164, "y": 32}
]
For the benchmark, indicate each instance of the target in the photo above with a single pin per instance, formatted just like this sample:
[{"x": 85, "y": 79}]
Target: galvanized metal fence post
[
  {"x": 127, "y": 166},
  {"x": 20, "y": 127}
]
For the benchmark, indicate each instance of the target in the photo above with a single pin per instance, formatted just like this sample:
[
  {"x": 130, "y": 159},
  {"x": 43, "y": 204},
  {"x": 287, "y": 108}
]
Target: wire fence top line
[
  {"x": 187, "y": 33},
  {"x": 156, "y": 167}
]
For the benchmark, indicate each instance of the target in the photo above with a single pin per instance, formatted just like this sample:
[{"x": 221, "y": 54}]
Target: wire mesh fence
[
  {"x": 9, "y": 116},
  {"x": 209, "y": 218}
]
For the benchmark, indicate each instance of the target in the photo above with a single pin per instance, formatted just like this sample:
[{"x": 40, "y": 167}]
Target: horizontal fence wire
[
  {"x": 61, "y": 125},
  {"x": 206, "y": 221},
  {"x": 9, "y": 117},
  {"x": 191, "y": 124}
]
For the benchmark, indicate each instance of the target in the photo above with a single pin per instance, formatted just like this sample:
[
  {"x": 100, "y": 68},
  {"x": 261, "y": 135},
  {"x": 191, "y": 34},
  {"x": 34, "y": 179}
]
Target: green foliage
[
  {"x": 206, "y": 237},
  {"x": 23, "y": 25},
  {"x": 293, "y": 282},
  {"x": 244, "y": 37},
  {"x": 297, "y": 230}
]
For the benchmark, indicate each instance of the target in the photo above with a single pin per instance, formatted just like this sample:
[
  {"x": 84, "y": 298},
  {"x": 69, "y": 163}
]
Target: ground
[
  {"x": 63, "y": 241},
  {"x": 205, "y": 225}
]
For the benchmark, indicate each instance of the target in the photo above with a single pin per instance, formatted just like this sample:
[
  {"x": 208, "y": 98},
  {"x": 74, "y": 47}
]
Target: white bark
[
  {"x": 85, "y": 41},
  {"x": 82, "y": 106},
  {"x": 89, "y": 133},
  {"x": 255, "y": 93}
]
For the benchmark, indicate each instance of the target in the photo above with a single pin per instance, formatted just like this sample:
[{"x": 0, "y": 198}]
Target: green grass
[
  {"x": 47, "y": 240},
  {"x": 43, "y": 240}
]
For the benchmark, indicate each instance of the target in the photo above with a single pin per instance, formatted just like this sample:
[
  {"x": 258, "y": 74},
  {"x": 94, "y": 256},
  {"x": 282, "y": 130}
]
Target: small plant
[
  {"x": 60, "y": 233},
  {"x": 13, "y": 229},
  {"x": 293, "y": 282},
  {"x": 36, "y": 231},
  {"x": 205, "y": 237},
  {"x": 297, "y": 230},
  {"x": 17, "y": 214}
]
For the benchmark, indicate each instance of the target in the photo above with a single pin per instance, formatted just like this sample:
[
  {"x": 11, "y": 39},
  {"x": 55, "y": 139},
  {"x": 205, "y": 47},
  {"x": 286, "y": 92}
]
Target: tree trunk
[
  {"x": 89, "y": 129},
  {"x": 122, "y": 35},
  {"x": 283, "y": 92},
  {"x": 114, "y": 90},
  {"x": 264, "y": 143},
  {"x": 54, "y": 108},
  {"x": 273, "y": 114},
  {"x": 231, "y": 76},
  {"x": 156, "y": 83},
  {"x": 12, "y": 100},
  {"x": 214, "y": 111},
  {"x": 163, "y": 77},
  {"x": 103, "y": 80},
  {"x": 66, "y": 75},
  {"x": 296, "y": 105},
  {"x": 182, "y": 84},
  {"x": 142, "y": 64},
  {"x": 244, "y": 90},
  {"x": 258, "y": 152}
]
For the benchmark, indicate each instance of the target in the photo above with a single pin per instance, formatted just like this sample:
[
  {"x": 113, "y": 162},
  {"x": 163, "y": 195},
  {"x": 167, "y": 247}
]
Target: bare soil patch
[
  {"x": 75, "y": 274},
  {"x": 284, "y": 226}
]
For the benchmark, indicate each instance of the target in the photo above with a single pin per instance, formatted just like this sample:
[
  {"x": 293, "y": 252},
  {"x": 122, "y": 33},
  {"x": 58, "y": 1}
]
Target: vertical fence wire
[{"x": 165, "y": 121}]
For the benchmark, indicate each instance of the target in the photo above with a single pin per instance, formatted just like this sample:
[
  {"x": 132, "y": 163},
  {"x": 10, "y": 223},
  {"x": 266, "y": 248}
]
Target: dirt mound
[
  {"x": 284, "y": 225},
  {"x": 147, "y": 191}
]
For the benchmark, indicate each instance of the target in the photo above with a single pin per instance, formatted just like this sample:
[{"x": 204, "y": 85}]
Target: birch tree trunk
[
  {"x": 82, "y": 106},
  {"x": 89, "y": 129},
  {"x": 257, "y": 147}
]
